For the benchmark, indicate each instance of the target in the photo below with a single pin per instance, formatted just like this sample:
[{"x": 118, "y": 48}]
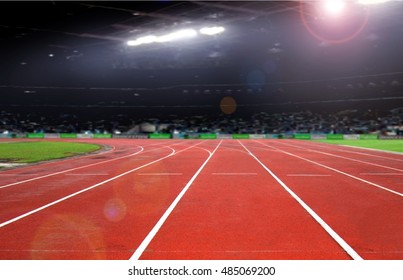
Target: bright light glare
[
  {"x": 143, "y": 40},
  {"x": 334, "y": 7},
  {"x": 178, "y": 35},
  {"x": 372, "y": 2},
  {"x": 212, "y": 30}
]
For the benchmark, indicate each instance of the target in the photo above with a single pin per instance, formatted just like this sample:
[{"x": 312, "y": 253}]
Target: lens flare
[
  {"x": 115, "y": 210},
  {"x": 228, "y": 105},
  {"x": 328, "y": 29},
  {"x": 334, "y": 7}
]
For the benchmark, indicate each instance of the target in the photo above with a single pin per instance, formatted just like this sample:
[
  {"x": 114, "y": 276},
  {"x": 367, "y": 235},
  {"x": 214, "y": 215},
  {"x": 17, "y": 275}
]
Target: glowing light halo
[
  {"x": 330, "y": 40},
  {"x": 334, "y": 7}
]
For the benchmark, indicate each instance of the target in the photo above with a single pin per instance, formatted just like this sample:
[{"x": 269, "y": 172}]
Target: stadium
[{"x": 201, "y": 130}]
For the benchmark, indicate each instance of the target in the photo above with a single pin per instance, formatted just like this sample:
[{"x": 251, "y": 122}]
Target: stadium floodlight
[
  {"x": 334, "y": 7},
  {"x": 177, "y": 35},
  {"x": 143, "y": 40},
  {"x": 212, "y": 30}
]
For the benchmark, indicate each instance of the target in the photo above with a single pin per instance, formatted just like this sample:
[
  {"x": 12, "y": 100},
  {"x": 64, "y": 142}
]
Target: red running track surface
[{"x": 210, "y": 199}]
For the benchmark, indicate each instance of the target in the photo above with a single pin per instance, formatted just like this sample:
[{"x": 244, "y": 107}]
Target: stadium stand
[{"x": 344, "y": 122}]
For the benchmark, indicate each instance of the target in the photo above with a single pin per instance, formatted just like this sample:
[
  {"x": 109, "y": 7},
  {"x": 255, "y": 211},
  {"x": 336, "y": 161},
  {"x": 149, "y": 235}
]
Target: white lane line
[
  {"x": 382, "y": 174},
  {"x": 337, "y": 156},
  {"x": 332, "y": 147},
  {"x": 338, "y": 171},
  {"x": 69, "y": 170},
  {"x": 81, "y": 191},
  {"x": 308, "y": 175},
  {"x": 314, "y": 215},
  {"x": 233, "y": 174},
  {"x": 234, "y": 149},
  {"x": 87, "y": 174},
  {"x": 366, "y": 154},
  {"x": 139, "y": 251},
  {"x": 159, "y": 174},
  {"x": 91, "y": 187}
]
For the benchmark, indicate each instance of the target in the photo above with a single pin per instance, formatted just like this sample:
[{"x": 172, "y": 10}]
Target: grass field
[
  {"x": 386, "y": 145},
  {"x": 30, "y": 152}
]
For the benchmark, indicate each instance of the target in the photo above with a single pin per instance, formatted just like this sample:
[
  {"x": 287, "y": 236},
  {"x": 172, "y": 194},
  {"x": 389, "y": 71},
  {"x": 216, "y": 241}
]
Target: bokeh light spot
[
  {"x": 115, "y": 210},
  {"x": 228, "y": 105}
]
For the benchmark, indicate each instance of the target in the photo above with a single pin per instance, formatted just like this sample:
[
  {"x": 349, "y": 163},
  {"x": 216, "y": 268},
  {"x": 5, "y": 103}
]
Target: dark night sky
[{"x": 282, "y": 50}]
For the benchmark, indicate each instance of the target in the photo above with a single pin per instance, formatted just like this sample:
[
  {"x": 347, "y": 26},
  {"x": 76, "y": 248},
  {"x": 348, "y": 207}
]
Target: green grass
[
  {"x": 386, "y": 145},
  {"x": 30, "y": 152}
]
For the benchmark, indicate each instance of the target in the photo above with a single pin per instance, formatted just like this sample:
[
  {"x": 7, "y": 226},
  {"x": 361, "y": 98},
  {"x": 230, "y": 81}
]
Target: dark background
[{"x": 71, "y": 58}]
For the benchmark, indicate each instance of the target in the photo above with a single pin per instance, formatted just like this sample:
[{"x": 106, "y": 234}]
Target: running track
[{"x": 210, "y": 199}]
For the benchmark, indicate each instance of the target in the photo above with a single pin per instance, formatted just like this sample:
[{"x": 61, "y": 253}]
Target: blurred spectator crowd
[{"x": 344, "y": 122}]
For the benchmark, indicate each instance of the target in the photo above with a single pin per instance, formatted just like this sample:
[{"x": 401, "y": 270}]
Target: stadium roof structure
[
  {"x": 284, "y": 41},
  {"x": 70, "y": 30}
]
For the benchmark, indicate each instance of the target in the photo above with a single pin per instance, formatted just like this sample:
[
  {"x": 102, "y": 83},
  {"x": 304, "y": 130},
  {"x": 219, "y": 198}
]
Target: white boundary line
[
  {"x": 93, "y": 154},
  {"x": 90, "y": 188},
  {"x": 139, "y": 251},
  {"x": 321, "y": 222},
  {"x": 336, "y": 170}
]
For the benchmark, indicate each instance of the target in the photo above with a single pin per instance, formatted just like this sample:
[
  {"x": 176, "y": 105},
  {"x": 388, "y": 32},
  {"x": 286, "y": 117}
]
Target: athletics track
[{"x": 206, "y": 200}]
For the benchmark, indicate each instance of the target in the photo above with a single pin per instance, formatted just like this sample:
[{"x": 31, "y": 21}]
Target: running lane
[
  {"x": 24, "y": 195},
  {"x": 377, "y": 167},
  {"x": 367, "y": 217},
  {"x": 113, "y": 153},
  {"x": 111, "y": 217},
  {"x": 235, "y": 209},
  {"x": 378, "y": 156}
]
